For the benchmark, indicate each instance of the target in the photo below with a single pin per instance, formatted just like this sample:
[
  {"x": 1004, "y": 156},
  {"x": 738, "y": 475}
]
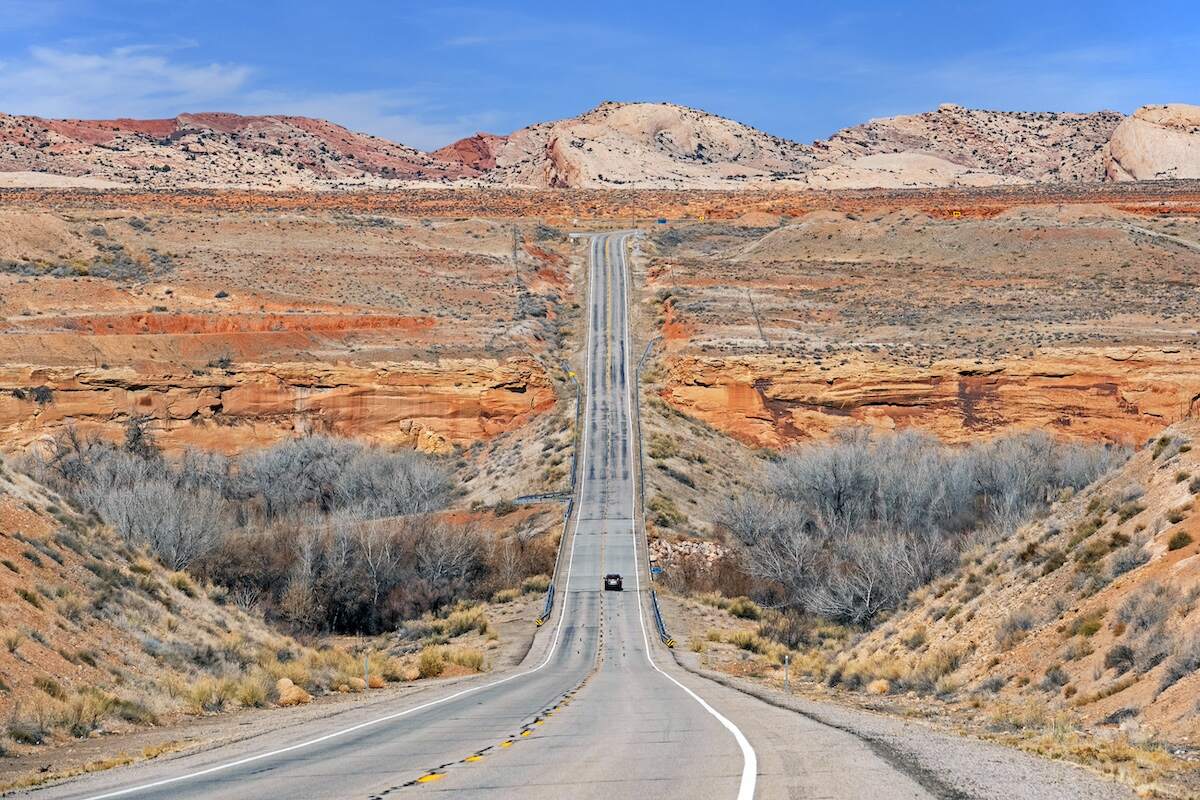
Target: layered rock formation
[
  {"x": 1115, "y": 394},
  {"x": 430, "y": 406}
]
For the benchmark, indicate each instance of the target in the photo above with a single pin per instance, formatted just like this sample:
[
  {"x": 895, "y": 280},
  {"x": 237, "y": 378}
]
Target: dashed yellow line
[{"x": 430, "y": 777}]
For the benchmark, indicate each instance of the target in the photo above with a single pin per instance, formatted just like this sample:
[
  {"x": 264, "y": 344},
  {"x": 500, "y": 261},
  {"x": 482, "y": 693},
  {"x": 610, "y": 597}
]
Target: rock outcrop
[
  {"x": 646, "y": 145},
  {"x": 1157, "y": 142},
  {"x": 614, "y": 145},
  {"x": 430, "y": 406},
  {"x": 1119, "y": 394}
]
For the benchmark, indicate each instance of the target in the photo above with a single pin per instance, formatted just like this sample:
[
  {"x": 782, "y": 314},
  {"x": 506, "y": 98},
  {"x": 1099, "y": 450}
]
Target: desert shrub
[
  {"x": 850, "y": 527},
  {"x": 133, "y": 711},
  {"x": 664, "y": 513},
  {"x": 1183, "y": 662},
  {"x": 1013, "y": 627},
  {"x": 925, "y": 674},
  {"x": 210, "y": 695},
  {"x": 431, "y": 662},
  {"x": 28, "y": 596},
  {"x": 253, "y": 691},
  {"x": 1179, "y": 540},
  {"x": 744, "y": 608},
  {"x": 1128, "y": 558},
  {"x": 1054, "y": 678},
  {"x": 1087, "y": 624},
  {"x": 467, "y": 657},
  {"x": 993, "y": 684},
  {"x": 86, "y": 711},
  {"x": 535, "y": 583},
  {"x": 23, "y": 730},
  {"x": 506, "y": 595},
  {"x": 1148, "y": 607},
  {"x": 183, "y": 583},
  {"x": 50, "y": 687},
  {"x": 12, "y": 639},
  {"x": 464, "y": 620}
]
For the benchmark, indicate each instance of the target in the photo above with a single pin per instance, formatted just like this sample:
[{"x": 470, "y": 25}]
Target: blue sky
[{"x": 428, "y": 73}]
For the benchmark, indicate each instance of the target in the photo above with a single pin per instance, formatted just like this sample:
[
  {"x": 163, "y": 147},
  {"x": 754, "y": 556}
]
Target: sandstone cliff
[
  {"x": 1116, "y": 394},
  {"x": 427, "y": 405}
]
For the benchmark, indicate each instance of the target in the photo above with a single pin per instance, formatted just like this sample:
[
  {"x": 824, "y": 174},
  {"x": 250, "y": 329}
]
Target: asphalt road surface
[{"x": 598, "y": 708}]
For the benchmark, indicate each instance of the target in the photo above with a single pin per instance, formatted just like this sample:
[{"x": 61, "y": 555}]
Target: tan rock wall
[
  {"x": 1116, "y": 394},
  {"x": 431, "y": 406}
]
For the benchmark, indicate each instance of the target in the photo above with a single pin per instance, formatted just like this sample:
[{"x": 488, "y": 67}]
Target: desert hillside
[
  {"x": 614, "y": 145},
  {"x": 1092, "y": 610},
  {"x": 98, "y": 635},
  {"x": 192, "y": 150},
  {"x": 652, "y": 145}
]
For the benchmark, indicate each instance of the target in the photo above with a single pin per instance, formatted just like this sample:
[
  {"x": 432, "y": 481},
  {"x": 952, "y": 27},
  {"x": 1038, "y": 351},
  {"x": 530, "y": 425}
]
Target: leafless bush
[
  {"x": 326, "y": 533},
  {"x": 850, "y": 527},
  {"x": 177, "y": 525},
  {"x": 1183, "y": 662},
  {"x": 1148, "y": 608}
]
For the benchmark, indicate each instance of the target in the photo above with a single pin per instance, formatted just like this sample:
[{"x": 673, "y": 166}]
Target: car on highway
[{"x": 612, "y": 582}]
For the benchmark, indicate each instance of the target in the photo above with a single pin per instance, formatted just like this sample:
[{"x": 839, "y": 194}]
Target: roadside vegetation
[
  {"x": 845, "y": 530},
  {"x": 320, "y": 534}
]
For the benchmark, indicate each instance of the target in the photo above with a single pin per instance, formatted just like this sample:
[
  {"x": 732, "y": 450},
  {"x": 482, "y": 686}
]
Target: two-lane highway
[{"x": 588, "y": 714}]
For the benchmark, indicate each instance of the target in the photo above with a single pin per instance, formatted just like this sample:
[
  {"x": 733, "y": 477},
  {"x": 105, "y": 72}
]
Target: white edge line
[
  {"x": 749, "y": 757},
  {"x": 387, "y": 718}
]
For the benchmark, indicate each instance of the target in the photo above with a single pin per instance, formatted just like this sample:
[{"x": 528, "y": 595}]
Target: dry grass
[
  {"x": 431, "y": 662},
  {"x": 535, "y": 583}
]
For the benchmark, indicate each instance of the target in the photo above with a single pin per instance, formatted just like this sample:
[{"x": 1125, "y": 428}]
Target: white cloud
[
  {"x": 146, "y": 81},
  {"x": 127, "y": 81}
]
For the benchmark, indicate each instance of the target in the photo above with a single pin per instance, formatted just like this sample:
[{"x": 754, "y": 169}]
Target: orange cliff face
[
  {"x": 1113, "y": 394},
  {"x": 427, "y": 405}
]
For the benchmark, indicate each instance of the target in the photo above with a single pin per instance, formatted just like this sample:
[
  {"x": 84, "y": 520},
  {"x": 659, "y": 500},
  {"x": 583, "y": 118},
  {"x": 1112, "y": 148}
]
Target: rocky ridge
[{"x": 615, "y": 145}]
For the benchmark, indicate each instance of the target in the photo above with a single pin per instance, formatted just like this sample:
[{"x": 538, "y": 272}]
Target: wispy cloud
[
  {"x": 126, "y": 81},
  {"x": 147, "y": 80}
]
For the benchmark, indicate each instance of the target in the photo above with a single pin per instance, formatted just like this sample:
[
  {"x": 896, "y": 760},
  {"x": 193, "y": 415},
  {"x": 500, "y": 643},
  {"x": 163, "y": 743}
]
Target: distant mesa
[{"x": 614, "y": 145}]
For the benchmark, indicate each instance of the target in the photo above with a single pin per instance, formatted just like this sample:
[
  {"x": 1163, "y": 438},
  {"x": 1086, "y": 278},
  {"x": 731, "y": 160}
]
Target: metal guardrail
[
  {"x": 569, "y": 497},
  {"x": 549, "y": 607},
  {"x": 658, "y": 621},
  {"x": 641, "y": 445}
]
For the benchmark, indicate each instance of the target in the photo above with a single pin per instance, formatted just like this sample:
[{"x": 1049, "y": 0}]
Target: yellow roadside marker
[
  {"x": 473, "y": 758},
  {"x": 506, "y": 744},
  {"x": 526, "y": 733},
  {"x": 431, "y": 777}
]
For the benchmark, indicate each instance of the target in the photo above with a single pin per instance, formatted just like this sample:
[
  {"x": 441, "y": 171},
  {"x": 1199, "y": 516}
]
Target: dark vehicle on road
[{"x": 612, "y": 582}]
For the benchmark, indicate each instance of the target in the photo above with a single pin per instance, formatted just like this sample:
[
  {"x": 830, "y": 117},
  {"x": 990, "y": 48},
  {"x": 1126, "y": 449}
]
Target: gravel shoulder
[{"x": 945, "y": 765}]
